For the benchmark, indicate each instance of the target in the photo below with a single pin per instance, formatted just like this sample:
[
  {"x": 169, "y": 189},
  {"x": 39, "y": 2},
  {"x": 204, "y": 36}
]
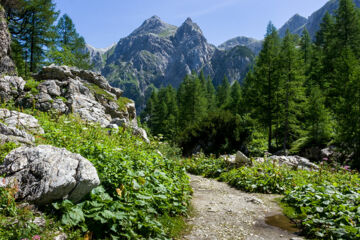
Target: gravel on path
[{"x": 224, "y": 213}]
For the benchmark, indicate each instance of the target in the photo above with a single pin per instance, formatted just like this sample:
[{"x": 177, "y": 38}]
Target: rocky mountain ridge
[
  {"x": 159, "y": 54},
  {"x": 297, "y": 24}
]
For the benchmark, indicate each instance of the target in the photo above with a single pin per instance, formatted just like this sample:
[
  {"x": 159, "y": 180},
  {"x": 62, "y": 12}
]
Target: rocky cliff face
[
  {"x": 158, "y": 54},
  {"x": 313, "y": 22},
  {"x": 6, "y": 64}
]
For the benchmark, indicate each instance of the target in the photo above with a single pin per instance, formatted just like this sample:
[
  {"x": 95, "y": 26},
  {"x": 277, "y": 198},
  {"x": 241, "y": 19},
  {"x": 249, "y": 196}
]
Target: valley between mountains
[{"x": 166, "y": 136}]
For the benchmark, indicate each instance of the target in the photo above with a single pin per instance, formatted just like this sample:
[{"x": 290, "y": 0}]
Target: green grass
[
  {"x": 5, "y": 149},
  {"x": 99, "y": 91},
  {"x": 122, "y": 101}
]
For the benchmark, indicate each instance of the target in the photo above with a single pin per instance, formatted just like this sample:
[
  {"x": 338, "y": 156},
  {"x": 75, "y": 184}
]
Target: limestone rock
[
  {"x": 242, "y": 160},
  {"x": 10, "y": 87},
  {"x": 7, "y": 66},
  {"x": 21, "y": 121},
  {"x": 45, "y": 174},
  {"x": 137, "y": 131},
  {"x": 12, "y": 134},
  {"x": 292, "y": 161}
]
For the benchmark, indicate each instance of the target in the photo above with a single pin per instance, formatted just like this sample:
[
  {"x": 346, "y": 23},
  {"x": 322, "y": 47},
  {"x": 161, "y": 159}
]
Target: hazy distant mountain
[
  {"x": 253, "y": 44},
  {"x": 158, "y": 54},
  {"x": 313, "y": 22}
]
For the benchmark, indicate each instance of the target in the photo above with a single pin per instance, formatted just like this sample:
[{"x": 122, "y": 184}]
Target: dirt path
[{"x": 224, "y": 213}]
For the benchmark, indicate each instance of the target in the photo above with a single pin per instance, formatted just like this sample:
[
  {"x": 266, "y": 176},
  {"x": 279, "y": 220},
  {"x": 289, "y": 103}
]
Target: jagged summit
[
  {"x": 156, "y": 26},
  {"x": 295, "y": 23},
  {"x": 188, "y": 30}
]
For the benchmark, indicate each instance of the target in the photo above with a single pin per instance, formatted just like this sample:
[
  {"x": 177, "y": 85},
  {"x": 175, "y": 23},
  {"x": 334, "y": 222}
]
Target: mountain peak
[
  {"x": 154, "y": 25},
  {"x": 190, "y": 27},
  {"x": 295, "y": 22}
]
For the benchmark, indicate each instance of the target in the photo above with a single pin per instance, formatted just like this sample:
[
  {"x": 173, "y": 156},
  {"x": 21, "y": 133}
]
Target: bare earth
[{"x": 224, "y": 213}]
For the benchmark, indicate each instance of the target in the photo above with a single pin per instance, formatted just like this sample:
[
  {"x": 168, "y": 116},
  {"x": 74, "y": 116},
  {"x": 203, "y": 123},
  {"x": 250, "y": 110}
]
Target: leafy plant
[{"x": 139, "y": 185}]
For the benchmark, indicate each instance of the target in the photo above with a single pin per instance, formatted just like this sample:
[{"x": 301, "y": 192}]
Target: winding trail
[{"x": 224, "y": 213}]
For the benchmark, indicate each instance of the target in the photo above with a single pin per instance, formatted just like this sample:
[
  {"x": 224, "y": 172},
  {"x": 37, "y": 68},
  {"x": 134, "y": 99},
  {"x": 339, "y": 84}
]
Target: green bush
[{"x": 31, "y": 85}]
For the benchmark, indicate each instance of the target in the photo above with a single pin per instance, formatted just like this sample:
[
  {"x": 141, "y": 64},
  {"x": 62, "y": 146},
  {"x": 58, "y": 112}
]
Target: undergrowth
[
  {"x": 326, "y": 202},
  {"x": 140, "y": 186}
]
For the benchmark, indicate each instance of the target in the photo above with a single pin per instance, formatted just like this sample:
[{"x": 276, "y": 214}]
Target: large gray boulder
[
  {"x": 44, "y": 174},
  {"x": 7, "y": 66},
  {"x": 21, "y": 121}
]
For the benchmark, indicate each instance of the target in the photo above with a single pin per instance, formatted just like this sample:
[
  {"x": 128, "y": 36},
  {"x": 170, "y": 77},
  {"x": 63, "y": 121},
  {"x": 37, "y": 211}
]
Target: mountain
[
  {"x": 295, "y": 24},
  {"x": 313, "y": 22},
  {"x": 98, "y": 55},
  {"x": 253, "y": 44},
  {"x": 158, "y": 54}
]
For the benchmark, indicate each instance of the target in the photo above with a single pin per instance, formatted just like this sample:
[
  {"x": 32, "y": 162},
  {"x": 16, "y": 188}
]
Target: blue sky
[{"x": 103, "y": 22}]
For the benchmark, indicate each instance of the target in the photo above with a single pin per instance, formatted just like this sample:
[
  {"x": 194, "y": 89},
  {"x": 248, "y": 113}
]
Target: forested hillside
[{"x": 299, "y": 97}]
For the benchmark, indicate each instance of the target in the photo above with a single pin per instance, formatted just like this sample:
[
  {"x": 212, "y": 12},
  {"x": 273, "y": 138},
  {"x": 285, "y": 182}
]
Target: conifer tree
[
  {"x": 191, "y": 100},
  {"x": 223, "y": 93},
  {"x": 318, "y": 123},
  {"x": 291, "y": 90},
  {"x": 210, "y": 95},
  {"x": 236, "y": 99},
  {"x": 306, "y": 48},
  {"x": 262, "y": 83},
  {"x": 70, "y": 46},
  {"x": 32, "y": 28}
]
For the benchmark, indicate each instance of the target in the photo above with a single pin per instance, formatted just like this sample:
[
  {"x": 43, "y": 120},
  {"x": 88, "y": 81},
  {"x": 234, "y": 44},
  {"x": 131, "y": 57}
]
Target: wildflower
[
  {"x": 347, "y": 168},
  {"x": 36, "y": 237},
  {"x": 325, "y": 159}
]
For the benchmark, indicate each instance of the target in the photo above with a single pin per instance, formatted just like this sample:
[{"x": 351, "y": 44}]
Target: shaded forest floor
[{"x": 222, "y": 212}]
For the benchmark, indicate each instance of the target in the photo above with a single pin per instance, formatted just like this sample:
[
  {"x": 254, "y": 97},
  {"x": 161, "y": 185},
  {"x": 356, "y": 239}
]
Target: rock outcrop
[
  {"x": 21, "y": 121},
  {"x": 7, "y": 66},
  {"x": 85, "y": 93},
  {"x": 44, "y": 174}
]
